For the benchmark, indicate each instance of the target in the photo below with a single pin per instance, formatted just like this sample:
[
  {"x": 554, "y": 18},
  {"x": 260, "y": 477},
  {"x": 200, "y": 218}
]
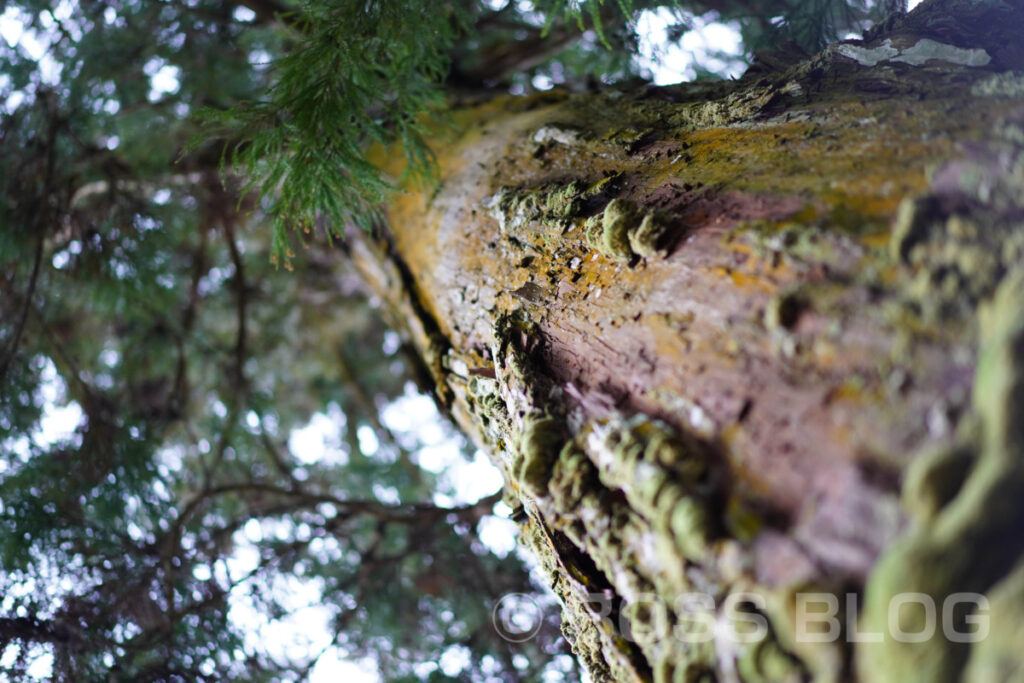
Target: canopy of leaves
[{"x": 136, "y": 290}]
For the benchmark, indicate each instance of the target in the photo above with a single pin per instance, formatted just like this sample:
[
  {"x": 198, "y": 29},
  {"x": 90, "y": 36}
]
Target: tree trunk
[{"x": 734, "y": 344}]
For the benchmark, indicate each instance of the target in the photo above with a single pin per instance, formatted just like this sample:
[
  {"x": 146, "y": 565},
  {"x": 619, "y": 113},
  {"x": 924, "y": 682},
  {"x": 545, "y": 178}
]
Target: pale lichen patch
[
  {"x": 1006, "y": 84},
  {"x": 868, "y": 56},
  {"x": 539, "y": 216},
  {"x": 921, "y": 52},
  {"x": 926, "y": 49},
  {"x": 564, "y": 134}
]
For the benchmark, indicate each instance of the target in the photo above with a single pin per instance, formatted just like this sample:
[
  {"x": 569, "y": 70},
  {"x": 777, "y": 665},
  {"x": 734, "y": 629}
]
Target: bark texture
[{"x": 747, "y": 339}]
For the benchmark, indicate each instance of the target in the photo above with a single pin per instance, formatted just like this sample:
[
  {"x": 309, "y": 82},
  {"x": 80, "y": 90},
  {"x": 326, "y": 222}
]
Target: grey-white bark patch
[
  {"x": 926, "y": 49},
  {"x": 498, "y": 206},
  {"x": 917, "y": 54},
  {"x": 457, "y": 365},
  {"x": 868, "y": 56},
  {"x": 494, "y": 208},
  {"x": 556, "y": 133}
]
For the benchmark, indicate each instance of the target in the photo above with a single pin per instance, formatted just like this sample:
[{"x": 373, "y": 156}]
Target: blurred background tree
[{"x": 140, "y": 302}]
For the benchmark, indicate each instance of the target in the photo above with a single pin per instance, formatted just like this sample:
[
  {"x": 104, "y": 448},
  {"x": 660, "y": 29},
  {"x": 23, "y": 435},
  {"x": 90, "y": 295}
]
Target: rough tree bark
[{"x": 749, "y": 339}]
